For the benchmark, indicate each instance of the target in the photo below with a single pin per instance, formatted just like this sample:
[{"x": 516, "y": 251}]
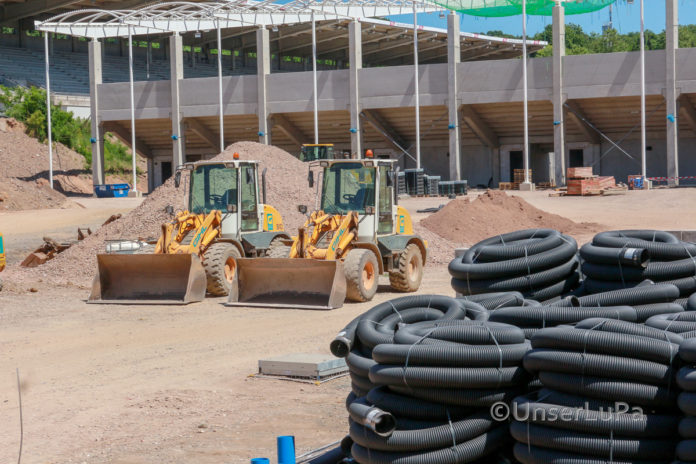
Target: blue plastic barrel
[{"x": 286, "y": 449}]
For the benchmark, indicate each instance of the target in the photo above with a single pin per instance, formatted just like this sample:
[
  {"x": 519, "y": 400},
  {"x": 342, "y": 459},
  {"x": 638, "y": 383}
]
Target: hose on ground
[
  {"x": 625, "y": 258},
  {"x": 658, "y": 293},
  {"x": 551, "y": 316},
  {"x": 539, "y": 263}
]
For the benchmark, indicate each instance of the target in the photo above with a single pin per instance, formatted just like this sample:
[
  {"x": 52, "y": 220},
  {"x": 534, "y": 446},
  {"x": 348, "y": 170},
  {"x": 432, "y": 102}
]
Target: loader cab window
[
  {"x": 250, "y": 216},
  {"x": 213, "y": 186},
  {"x": 348, "y": 187}
]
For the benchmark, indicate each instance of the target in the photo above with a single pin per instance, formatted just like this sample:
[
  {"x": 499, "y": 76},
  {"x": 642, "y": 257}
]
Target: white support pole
[
  {"x": 132, "y": 102},
  {"x": 415, "y": 81},
  {"x": 525, "y": 149},
  {"x": 643, "y": 142},
  {"x": 220, "y": 96},
  {"x": 314, "y": 79},
  {"x": 48, "y": 112}
]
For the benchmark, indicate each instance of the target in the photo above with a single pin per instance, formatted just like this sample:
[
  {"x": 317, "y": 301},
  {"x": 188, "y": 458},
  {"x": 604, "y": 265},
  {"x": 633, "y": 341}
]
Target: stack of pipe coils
[
  {"x": 686, "y": 378},
  {"x": 539, "y": 263},
  {"x": 435, "y": 384},
  {"x": 609, "y": 395},
  {"x": 625, "y": 258},
  {"x": 378, "y": 325}
]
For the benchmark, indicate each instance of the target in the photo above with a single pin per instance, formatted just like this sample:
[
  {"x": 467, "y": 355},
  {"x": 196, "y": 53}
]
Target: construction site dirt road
[{"x": 141, "y": 384}]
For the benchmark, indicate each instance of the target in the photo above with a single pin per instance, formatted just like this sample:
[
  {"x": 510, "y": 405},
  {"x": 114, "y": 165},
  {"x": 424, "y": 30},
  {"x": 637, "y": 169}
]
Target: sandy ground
[
  {"x": 142, "y": 384},
  {"x": 23, "y": 231}
]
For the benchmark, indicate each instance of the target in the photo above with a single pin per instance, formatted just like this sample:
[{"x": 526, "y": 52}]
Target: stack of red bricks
[{"x": 581, "y": 181}]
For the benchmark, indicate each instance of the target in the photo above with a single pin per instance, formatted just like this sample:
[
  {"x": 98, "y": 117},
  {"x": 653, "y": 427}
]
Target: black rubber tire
[
  {"x": 214, "y": 260},
  {"x": 278, "y": 249},
  {"x": 354, "y": 265},
  {"x": 401, "y": 278}
]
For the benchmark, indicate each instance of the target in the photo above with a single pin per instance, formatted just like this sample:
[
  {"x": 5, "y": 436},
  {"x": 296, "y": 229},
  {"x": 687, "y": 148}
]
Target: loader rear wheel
[
  {"x": 277, "y": 249},
  {"x": 362, "y": 275},
  {"x": 408, "y": 272},
  {"x": 220, "y": 264}
]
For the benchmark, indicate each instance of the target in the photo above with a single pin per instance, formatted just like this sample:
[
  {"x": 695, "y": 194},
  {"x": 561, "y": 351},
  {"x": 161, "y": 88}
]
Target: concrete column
[
  {"x": 97, "y": 135},
  {"x": 150, "y": 175},
  {"x": 263, "y": 69},
  {"x": 355, "y": 57},
  {"x": 453, "y": 59},
  {"x": 671, "y": 91},
  {"x": 558, "y": 93},
  {"x": 176, "y": 62}
]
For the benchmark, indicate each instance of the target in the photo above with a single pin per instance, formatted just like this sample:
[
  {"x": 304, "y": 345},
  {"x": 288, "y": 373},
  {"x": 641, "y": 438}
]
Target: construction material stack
[
  {"x": 423, "y": 393},
  {"x": 625, "y": 258},
  {"x": 608, "y": 395},
  {"x": 415, "y": 181},
  {"x": 539, "y": 263},
  {"x": 518, "y": 178},
  {"x": 581, "y": 181},
  {"x": 686, "y": 378}
]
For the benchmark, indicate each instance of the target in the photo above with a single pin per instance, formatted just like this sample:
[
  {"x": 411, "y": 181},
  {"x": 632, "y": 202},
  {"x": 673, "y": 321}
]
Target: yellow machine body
[
  {"x": 3, "y": 260},
  {"x": 224, "y": 209},
  {"x": 313, "y": 273}
]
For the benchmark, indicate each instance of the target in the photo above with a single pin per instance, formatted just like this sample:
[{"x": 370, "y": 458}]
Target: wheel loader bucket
[
  {"x": 288, "y": 283},
  {"x": 148, "y": 279}
]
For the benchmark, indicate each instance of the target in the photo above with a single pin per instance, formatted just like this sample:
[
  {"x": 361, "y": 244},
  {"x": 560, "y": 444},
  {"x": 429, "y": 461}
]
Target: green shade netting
[{"x": 497, "y": 8}]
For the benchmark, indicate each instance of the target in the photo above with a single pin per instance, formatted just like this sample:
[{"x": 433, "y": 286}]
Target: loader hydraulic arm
[
  {"x": 337, "y": 231},
  {"x": 202, "y": 228}
]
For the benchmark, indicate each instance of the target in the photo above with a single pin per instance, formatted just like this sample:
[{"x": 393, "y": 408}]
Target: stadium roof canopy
[{"x": 291, "y": 23}]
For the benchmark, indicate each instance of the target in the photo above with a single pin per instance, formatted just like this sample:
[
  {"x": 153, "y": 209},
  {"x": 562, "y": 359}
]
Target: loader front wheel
[
  {"x": 278, "y": 249},
  {"x": 362, "y": 275},
  {"x": 408, "y": 272},
  {"x": 220, "y": 264}
]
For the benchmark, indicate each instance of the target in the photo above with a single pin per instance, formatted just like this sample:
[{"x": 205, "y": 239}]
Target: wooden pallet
[
  {"x": 506, "y": 186},
  {"x": 518, "y": 176}
]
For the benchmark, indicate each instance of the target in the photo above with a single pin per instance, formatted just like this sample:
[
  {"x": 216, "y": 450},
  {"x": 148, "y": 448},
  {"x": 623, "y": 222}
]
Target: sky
[{"x": 626, "y": 18}]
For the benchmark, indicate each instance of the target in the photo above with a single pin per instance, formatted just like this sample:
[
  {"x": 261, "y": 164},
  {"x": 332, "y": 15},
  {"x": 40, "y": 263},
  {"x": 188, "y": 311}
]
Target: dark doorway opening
[
  {"x": 516, "y": 162},
  {"x": 166, "y": 170},
  {"x": 575, "y": 158}
]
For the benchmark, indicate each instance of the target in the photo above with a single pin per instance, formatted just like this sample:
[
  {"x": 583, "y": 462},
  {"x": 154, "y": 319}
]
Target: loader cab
[
  {"x": 230, "y": 187},
  {"x": 363, "y": 186},
  {"x": 318, "y": 151}
]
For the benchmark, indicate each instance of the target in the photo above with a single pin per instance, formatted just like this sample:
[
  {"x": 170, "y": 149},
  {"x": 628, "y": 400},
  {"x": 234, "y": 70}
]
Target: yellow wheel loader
[
  {"x": 198, "y": 250},
  {"x": 357, "y": 233},
  {"x": 2, "y": 257}
]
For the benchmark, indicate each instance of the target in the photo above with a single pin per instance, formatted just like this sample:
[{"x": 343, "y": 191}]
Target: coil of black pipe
[
  {"x": 589, "y": 372},
  {"x": 539, "y": 263},
  {"x": 686, "y": 379},
  {"x": 437, "y": 379},
  {"x": 624, "y": 258}
]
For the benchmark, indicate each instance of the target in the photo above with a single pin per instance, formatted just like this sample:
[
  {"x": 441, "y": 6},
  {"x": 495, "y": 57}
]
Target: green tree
[{"x": 29, "y": 107}]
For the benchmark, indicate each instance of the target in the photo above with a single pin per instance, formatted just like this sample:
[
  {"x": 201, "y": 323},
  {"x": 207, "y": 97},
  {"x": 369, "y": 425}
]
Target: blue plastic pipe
[
  {"x": 286, "y": 449},
  {"x": 260, "y": 461}
]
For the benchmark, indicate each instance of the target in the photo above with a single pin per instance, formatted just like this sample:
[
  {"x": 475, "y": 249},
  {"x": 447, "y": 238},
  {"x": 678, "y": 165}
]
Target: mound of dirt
[
  {"x": 494, "y": 212},
  {"x": 286, "y": 181},
  {"x": 25, "y": 171},
  {"x": 17, "y": 194}
]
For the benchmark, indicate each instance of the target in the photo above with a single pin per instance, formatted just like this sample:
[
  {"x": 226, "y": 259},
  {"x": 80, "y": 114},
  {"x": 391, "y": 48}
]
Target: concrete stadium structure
[{"x": 584, "y": 110}]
